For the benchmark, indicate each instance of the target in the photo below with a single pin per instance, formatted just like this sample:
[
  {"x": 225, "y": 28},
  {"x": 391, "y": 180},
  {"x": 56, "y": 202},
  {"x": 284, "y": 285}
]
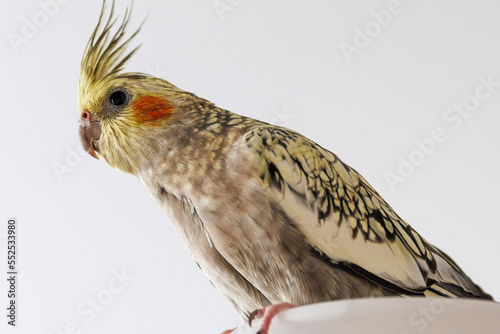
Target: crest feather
[{"x": 105, "y": 54}]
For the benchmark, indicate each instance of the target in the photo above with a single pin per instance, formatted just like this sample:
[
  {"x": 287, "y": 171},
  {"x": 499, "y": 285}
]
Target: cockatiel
[{"x": 270, "y": 216}]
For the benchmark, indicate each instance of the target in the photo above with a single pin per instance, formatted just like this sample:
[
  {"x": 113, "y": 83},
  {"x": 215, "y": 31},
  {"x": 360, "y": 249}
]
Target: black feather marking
[
  {"x": 320, "y": 255},
  {"x": 378, "y": 280},
  {"x": 276, "y": 179},
  {"x": 358, "y": 271},
  {"x": 324, "y": 214},
  {"x": 460, "y": 292},
  {"x": 377, "y": 215}
]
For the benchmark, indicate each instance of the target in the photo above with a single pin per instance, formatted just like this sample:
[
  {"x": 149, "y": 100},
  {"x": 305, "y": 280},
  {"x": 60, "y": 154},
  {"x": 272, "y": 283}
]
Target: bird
[{"x": 273, "y": 219}]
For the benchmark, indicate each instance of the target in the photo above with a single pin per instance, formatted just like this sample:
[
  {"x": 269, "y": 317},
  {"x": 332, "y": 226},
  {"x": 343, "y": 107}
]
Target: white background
[{"x": 279, "y": 61}]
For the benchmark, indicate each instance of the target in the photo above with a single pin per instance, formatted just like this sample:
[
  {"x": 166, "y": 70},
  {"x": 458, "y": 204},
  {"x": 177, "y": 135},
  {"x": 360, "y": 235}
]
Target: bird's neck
[{"x": 190, "y": 153}]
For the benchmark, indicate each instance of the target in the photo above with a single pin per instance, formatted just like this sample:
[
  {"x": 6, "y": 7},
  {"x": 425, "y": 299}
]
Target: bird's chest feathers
[{"x": 198, "y": 178}]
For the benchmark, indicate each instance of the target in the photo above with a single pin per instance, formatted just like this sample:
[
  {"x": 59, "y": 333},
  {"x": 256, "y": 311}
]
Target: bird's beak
[{"x": 90, "y": 131}]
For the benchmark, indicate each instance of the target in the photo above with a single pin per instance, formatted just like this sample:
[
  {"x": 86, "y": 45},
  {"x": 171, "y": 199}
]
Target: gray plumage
[{"x": 272, "y": 217}]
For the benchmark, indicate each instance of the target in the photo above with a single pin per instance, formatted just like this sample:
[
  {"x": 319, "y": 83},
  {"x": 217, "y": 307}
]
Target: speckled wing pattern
[{"x": 345, "y": 220}]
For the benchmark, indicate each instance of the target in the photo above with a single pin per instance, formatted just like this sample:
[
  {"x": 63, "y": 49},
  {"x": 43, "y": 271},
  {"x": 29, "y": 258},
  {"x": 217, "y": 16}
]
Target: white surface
[
  {"x": 278, "y": 61},
  {"x": 387, "y": 316}
]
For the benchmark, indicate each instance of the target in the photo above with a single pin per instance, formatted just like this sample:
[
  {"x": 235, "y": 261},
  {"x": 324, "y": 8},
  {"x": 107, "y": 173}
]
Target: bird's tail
[{"x": 450, "y": 281}]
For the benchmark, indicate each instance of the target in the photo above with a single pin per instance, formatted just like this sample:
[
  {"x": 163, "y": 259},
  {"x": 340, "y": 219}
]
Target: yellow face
[
  {"x": 102, "y": 102},
  {"x": 119, "y": 112},
  {"x": 118, "y": 105}
]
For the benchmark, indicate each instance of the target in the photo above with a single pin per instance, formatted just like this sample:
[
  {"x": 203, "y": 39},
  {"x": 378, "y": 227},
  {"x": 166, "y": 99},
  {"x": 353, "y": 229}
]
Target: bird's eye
[{"x": 118, "y": 98}]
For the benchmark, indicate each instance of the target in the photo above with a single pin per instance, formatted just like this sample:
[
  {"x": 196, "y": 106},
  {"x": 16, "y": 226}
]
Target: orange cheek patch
[{"x": 151, "y": 109}]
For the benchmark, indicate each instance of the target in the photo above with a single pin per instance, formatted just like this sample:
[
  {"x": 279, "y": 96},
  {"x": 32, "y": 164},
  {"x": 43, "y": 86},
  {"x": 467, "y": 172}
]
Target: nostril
[{"x": 86, "y": 115}]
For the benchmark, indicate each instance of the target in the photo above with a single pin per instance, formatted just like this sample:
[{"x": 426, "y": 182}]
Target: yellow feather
[{"x": 104, "y": 56}]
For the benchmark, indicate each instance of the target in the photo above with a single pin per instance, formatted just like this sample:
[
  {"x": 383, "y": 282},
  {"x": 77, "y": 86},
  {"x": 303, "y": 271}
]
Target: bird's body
[
  {"x": 261, "y": 209},
  {"x": 269, "y": 215},
  {"x": 246, "y": 246}
]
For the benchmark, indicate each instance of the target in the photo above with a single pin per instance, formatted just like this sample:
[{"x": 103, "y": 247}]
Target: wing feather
[{"x": 344, "y": 218}]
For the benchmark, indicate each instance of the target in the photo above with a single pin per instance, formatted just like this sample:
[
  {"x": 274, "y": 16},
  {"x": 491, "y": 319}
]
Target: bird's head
[{"x": 120, "y": 111}]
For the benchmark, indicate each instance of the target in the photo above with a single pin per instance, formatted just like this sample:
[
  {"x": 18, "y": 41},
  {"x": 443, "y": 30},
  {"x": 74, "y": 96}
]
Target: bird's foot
[
  {"x": 227, "y": 331},
  {"x": 268, "y": 313}
]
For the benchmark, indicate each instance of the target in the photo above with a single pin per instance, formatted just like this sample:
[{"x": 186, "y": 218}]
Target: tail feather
[{"x": 451, "y": 281}]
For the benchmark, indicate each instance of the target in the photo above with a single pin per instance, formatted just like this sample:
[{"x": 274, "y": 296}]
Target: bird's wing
[{"x": 343, "y": 218}]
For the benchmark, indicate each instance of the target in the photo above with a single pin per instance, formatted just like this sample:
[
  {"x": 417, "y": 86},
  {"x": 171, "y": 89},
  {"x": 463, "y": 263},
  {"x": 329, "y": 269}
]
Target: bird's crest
[{"x": 105, "y": 54}]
